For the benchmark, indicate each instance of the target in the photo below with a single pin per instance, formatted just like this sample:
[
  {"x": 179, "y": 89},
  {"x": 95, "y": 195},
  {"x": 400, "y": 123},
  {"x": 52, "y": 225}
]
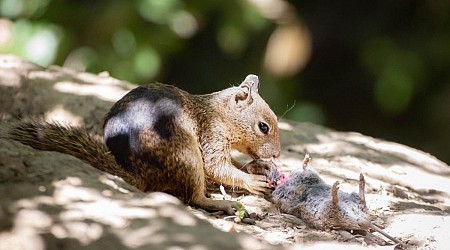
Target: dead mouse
[{"x": 305, "y": 195}]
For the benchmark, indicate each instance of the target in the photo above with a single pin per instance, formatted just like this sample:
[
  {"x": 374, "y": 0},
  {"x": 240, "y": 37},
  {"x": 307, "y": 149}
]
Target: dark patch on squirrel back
[
  {"x": 164, "y": 126},
  {"x": 122, "y": 142},
  {"x": 154, "y": 107}
]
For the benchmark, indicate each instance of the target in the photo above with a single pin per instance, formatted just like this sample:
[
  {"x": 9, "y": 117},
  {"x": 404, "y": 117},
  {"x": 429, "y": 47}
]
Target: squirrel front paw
[{"x": 258, "y": 184}]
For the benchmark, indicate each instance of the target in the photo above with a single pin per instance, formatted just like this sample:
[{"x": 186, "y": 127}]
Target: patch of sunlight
[
  {"x": 85, "y": 203},
  {"x": 250, "y": 242},
  {"x": 107, "y": 180},
  {"x": 106, "y": 210},
  {"x": 278, "y": 237},
  {"x": 432, "y": 230},
  {"x": 59, "y": 231},
  {"x": 85, "y": 233},
  {"x": 84, "y": 211},
  {"x": 410, "y": 154},
  {"x": 33, "y": 75},
  {"x": 66, "y": 193},
  {"x": 327, "y": 146},
  {"x": 379, "y": 172},
  {"x": 59, "y": 113},
  {"x": 21, "y": 238},
  {"x": 107, "y": 193},
  {"x": 179, "y": 216},
  {"x": 410, "y": 176},
  {"x": 33, "y": 203},
  {"x": 144, "y": 235},
  {"x": 420, "y": 179},
  {"x": 103, "y": 78},
  {"x": 33, "y": 219},
  {"x": 225, "y": 226},
  {"x": 158, "y": 198},
  {"x": 28, "y": 223},
  {"x": 10, "y": 78},
  {"x": 378, "y": 201},
  {"x": 75, "y": 181},
  {"x": 112, "y": 93}
]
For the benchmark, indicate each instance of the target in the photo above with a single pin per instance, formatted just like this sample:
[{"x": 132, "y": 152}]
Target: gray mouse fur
[{"x": 304, "y": 194}]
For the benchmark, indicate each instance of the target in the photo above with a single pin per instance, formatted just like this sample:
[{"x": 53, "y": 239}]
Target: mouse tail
[{"x": 379, "y": 230}]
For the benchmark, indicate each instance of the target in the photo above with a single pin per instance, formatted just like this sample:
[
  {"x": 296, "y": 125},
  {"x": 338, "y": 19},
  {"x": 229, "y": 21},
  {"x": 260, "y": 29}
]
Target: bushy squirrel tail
[{"x": 65, "y": 139}]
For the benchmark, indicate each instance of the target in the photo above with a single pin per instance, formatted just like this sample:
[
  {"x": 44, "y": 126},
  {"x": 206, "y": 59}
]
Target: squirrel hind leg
[
  {"x": 180, "y": 170},
  {"x": 209, "y": 204},
  {"x": 194, "y": 182}
]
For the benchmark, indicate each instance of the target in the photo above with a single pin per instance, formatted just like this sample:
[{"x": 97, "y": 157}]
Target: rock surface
[{"x": 55, "y": 201}]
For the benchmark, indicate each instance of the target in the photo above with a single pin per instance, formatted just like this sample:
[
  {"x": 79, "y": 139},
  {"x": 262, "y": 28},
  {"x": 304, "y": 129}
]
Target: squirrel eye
[{"x": 263, "y": 127}]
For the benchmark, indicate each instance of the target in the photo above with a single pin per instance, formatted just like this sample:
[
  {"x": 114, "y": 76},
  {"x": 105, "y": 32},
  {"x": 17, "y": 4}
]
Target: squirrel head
[{"x": 254, "y": 124}]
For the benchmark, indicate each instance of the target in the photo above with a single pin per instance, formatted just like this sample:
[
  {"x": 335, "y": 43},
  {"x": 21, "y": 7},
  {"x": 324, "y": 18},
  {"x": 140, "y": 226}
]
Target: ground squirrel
[{"x": 161, "y": 138}]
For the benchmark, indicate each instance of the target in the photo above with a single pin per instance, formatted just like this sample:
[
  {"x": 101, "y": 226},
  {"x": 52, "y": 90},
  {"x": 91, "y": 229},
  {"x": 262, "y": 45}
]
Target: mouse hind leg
[
  {"x": 306, "y": 161},
  {"x": 334, "y": 194},
  {"x": 362, "y": 196}
]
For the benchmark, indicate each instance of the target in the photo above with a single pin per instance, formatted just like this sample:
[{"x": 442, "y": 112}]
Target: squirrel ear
[
  {"x": 252, "y": 83},
  {"x": 243, "y": 97}
]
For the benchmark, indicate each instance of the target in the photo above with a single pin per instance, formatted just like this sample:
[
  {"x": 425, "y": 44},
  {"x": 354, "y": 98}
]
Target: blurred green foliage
[{"x": 378, "y": 67}]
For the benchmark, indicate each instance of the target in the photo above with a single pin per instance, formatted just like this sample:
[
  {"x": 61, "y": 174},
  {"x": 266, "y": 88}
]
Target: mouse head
[{"x": 254, "y": 124}]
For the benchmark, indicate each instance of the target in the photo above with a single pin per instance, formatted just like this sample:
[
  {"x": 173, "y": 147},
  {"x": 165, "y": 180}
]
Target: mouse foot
[
  {"x": 362, "y": 186},
  {"x": 334, "y": 193},
  {"x": 306, "y": 161}
]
